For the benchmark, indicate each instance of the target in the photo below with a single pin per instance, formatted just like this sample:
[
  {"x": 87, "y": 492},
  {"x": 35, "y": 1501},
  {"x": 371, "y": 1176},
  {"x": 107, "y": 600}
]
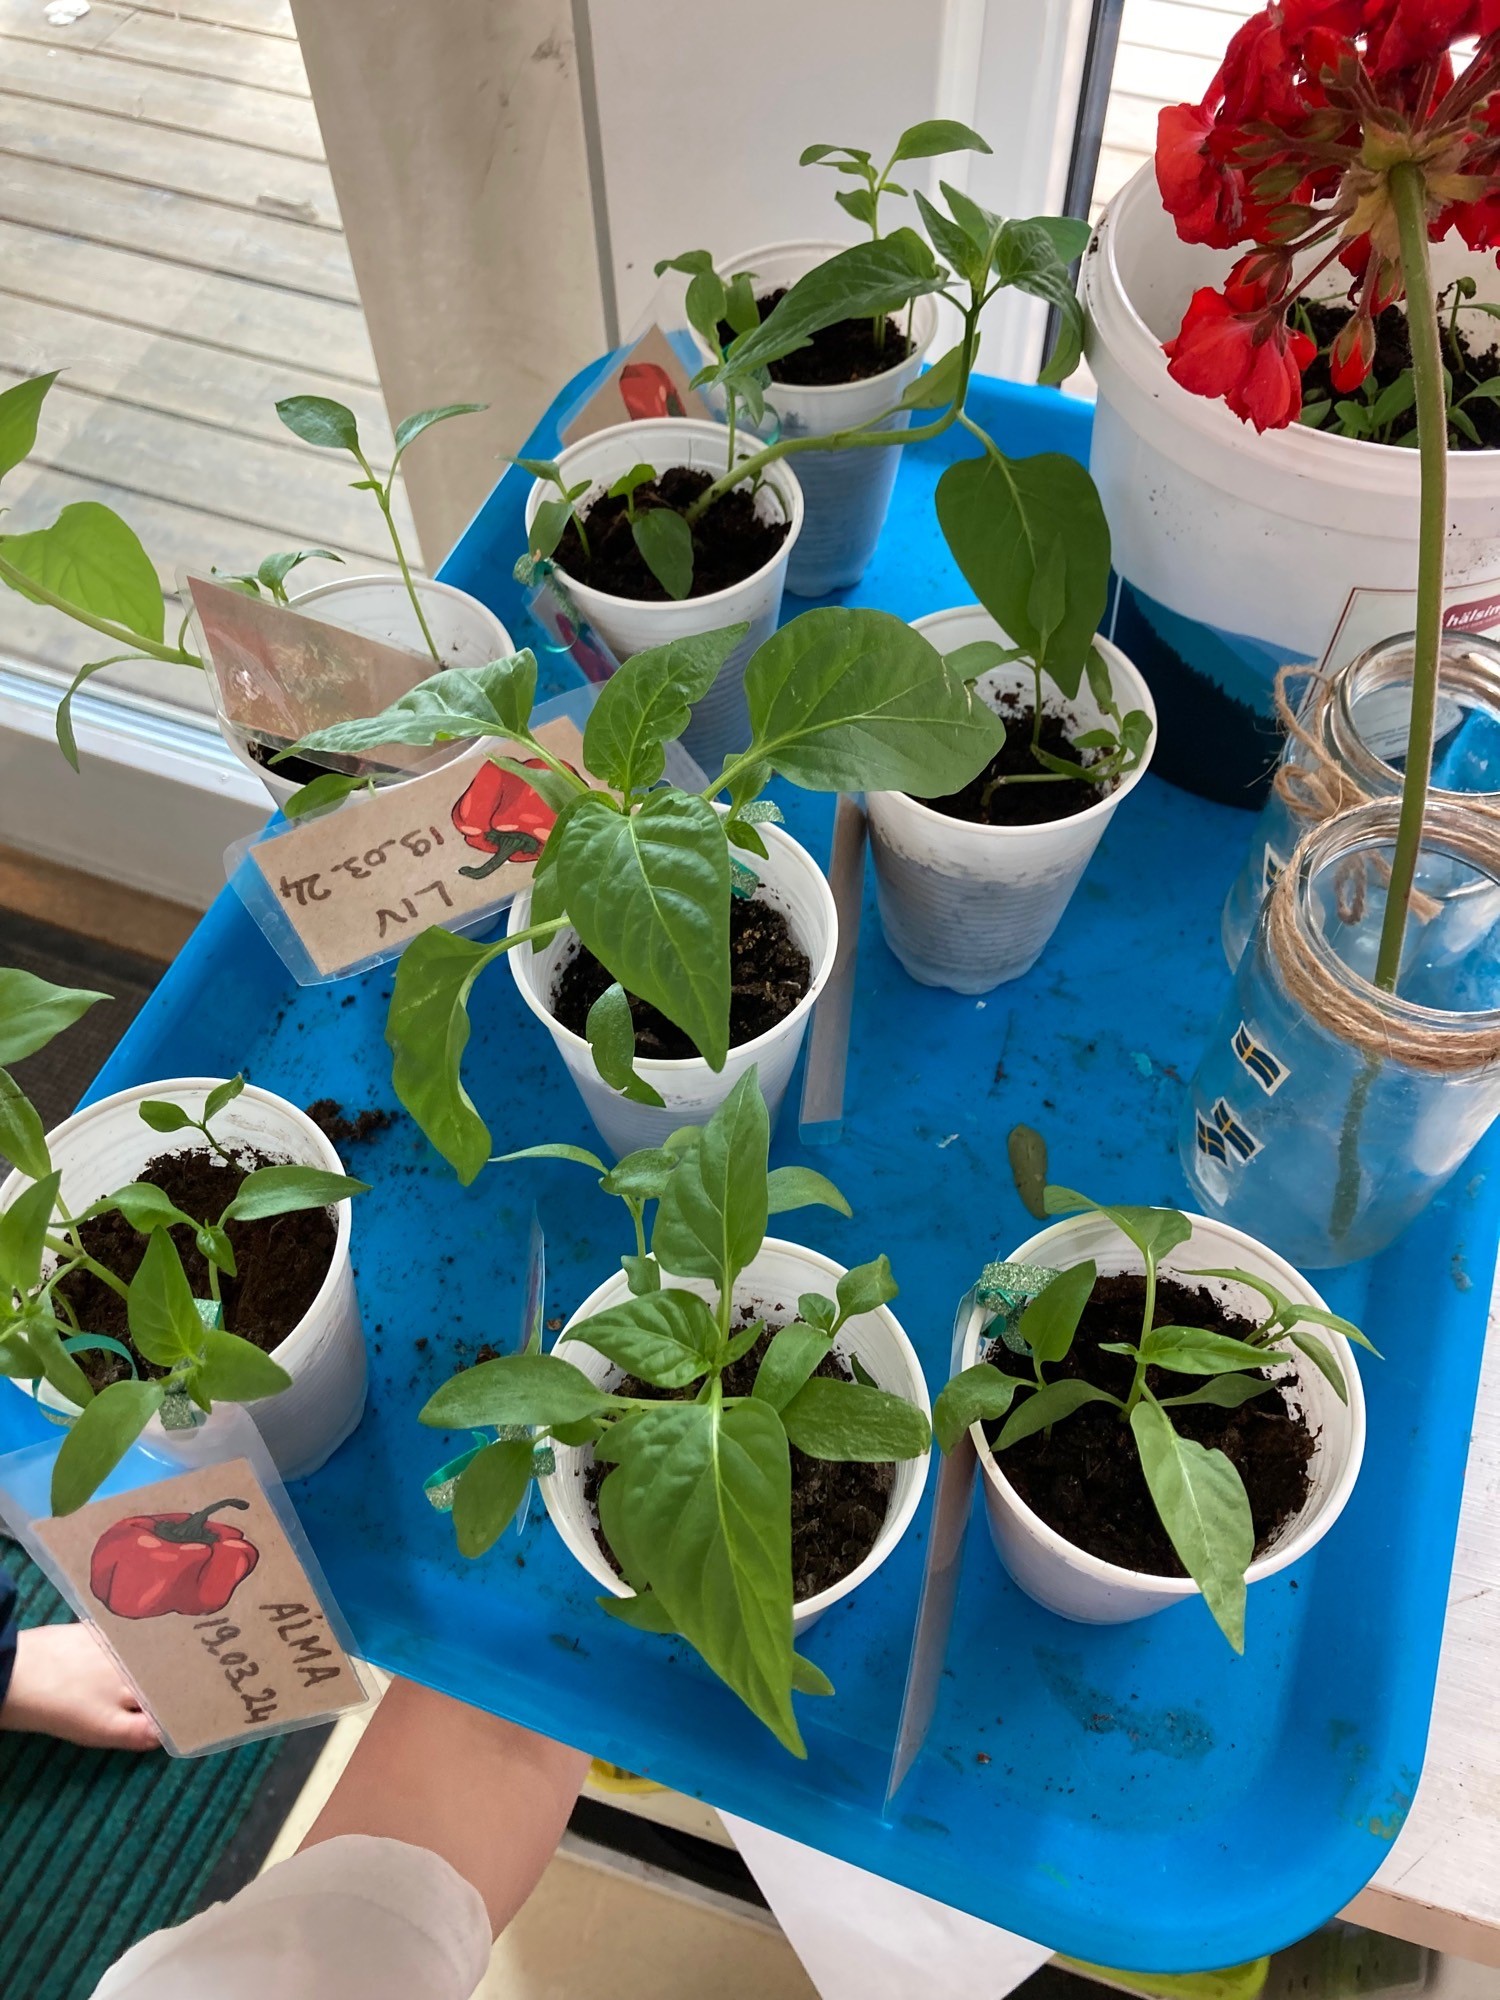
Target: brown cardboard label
[
  {"x": 364, "y": 879},
  {"x": 647, "y": 381},
  {"x": 198, "y": 1590}
]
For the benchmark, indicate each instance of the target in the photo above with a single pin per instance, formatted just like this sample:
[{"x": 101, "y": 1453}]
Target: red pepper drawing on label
[
  {"x": 149, "y": 1564},
  {"x": 647, "y": 390},
  {"x": 502, "y": 815}
]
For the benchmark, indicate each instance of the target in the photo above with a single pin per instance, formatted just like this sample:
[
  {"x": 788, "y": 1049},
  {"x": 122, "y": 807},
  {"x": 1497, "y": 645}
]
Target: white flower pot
[
  {"x": 770, "y": 1287},
  {"x": 105, "y": 1146},
  {"x": 968, "y": 906},
  {"x": 465, "y": 632},
  {"x": 846, "y": 493},
  {"x": 1079, "y": 1586},
  {"x": 793, "y": 882},
  {"x": 721, "y": 721},
  {"x": 1238, "y": 550}
]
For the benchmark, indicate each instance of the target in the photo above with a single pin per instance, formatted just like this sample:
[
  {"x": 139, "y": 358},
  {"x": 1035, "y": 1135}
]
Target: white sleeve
[{"x": 356, "y": 1918}]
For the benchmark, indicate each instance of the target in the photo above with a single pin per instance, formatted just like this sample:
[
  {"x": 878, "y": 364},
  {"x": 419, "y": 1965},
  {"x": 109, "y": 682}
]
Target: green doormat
[{"x": 99, "y": 1848}]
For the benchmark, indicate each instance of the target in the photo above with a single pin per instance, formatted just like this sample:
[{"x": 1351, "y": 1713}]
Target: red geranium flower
[{"x": 1250, "y": 359}]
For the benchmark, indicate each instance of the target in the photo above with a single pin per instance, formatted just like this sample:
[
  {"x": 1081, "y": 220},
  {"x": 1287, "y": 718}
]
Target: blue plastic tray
[{"x": 1135, "y": 1796}]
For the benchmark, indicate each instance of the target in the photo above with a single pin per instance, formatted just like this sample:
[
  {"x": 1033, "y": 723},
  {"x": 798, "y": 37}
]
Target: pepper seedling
[
  {"x": 553, "y": 516},
  {"x": 1198, "y": 1494},
  {"x": 839, "y": 700},
  {"x": 696, "y": 1504},
  {"x": 187, "y": 1351},
  {"x": 664, "y": 539}
]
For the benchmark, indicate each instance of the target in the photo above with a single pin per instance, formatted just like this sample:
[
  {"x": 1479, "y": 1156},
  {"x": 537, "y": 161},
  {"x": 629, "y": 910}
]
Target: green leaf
[
  {"x": 846, "y": 1421},
  {"x": 94, "y": 560},
  {"x": 540, "y": 468},
  {"x": 818, "y": 1311},
  {"x": 1203, "y": 1507},
  {"x": 577, "y": 1154},
  {"x": 329, "y": 790},
  {"x": 321, "y": 421},
  {"x": 706, "y": 302},
  {"x": 23, "y": 1235},
  {"x": 412, "y": 427},
  {"x": 1323, "y": 1359},
  {"x": 1049, "y": 1405},
  {"x": 741, "y": 1343},
  {"x": 701, "y": 1499},
  {"x": 62, "y": 721},
  {"x": 640, "y": 1176},
  {"x": 165, "y": 1324},
  {"x": 865, "y": 1287},
  {"x": 846, "y": 700},
  {"x": 711, "y": 1220},
  {"x": 1224, "y": 1392},
  {"x": 970, "y": 661},
  {"x": 515, "y": 1389},
  {"x": 788, "y": 1363},
  {"x": 642, "y": 1274},
  {"x": 808, "y": 1679},
  {"x": 427, "y": 1030},
  {"x": 643, "y": 1611},
  {"x": 44, "y": 1336},
  {"x": 1153, "y": 1231},
  {"x": 145, "y": 1207},
  {"x": 979, "y": 224},
  {"x": 668, "y": 1338},
  {"x": 937, "y": 387},
  {"x": 801, "y": 1187},
  {"x": 22, "y": 1138},
  {"x": 1028, "y": 1167},
  {"x": 237, "y": 1371},
  {"x": 625, "y": 486},
  {"x": 284, "y": 1190},
  {"x": 216, "y": 1247},
  {"x": 20, "y": 407},
  {"x": 952, "y": 243},
  {"x": 106, "y": 1429},
  {"x": 455, "y": 705},
  {"x": 274, "y": 570},
  {"x": 858, "y": 202},
  {"x": 610, "y": 1029},
  {"x": 980, "y": 1394},
  {"x": 1027, "y": 258},
  {"x": 859, "y": 283},
  {"x": 548, "y": 526},
  {"x": 1194, "y": 1350},
  {"x": 221, "y": 1095},
  {"x": 740, "y": 306},
  {"x": 648, "y": 893},
  {"x": 811, "y": 156},
  {"x": 490, "y": 1489},
  {"x": 937, "y": 135},
  {"x": 33, "y": 1010},
  {"x": 163, "y": 1116},
  {"x": 1051, "y": 1319},
  {"x": 1321, "y": 1316},
  {"x": 1001, "y": 518},
  {"x": 648, "y": 703},
  {"x": 665, "y": 542},
  {"x": 19, "y": 1361}
]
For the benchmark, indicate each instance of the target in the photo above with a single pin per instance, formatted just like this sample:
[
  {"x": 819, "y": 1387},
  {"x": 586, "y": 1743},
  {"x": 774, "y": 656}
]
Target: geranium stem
[{"x": 1409, "y": 198}]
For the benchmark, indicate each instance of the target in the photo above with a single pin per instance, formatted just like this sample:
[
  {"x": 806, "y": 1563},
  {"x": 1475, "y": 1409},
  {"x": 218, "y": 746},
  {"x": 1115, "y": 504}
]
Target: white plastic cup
[
  {"x": 465, "y": 632},
  {"x": 721, "y": 721},
  {"x": 967, "y": 906},
  {"x": 792, "y": 882},
  {"x": 769, "y": 1287},
  {"x": 1263, "y": 539},
  {"x": 105, "y": 1146},
  {"x": 847, "y": 494},
  {"x": 1068, "y": 1580}
]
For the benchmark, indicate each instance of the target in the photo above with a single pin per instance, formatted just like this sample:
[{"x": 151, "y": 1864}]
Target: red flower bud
[{"x": 1352, "y": 353}]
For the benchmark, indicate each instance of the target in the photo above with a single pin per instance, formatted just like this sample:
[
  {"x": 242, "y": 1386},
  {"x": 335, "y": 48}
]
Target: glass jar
[
  {"x": 1324, "y": 1113},
  {"x": 1347, "y": 743}
]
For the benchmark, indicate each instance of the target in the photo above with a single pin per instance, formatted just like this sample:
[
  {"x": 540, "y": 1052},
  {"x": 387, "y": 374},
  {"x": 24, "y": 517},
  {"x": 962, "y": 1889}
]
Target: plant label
[
  {"x": 647, "y": 379},
  {"x": 195, "y": 1586},
  {"x": 355, "y": 884},
  {"x": 277, "y": 674}
]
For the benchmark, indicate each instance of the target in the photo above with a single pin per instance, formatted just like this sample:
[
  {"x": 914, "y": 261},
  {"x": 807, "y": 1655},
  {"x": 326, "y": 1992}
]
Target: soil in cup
[
  {"x": 731, "y": 541},
  {"x": 282, "y": 1260},
  {"x": 838, "y": 1509},
  {"x": 1467, "y": 365},
  {"x": 1085, "y": 1480},
  {"x": 768, "y": 971},
  {"x": 847, "y": 352},
  {"x": 989, "y": 801},
  {"x": 297, "y": 770}
]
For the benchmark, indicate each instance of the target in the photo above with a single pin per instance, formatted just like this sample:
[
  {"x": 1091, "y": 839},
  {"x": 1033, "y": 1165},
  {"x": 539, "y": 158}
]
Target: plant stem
[
  {"x": 1148, "y": 1320},
  {"x": 67, "y": 1248},
  {"x": 1409, "y": 198},
  {"x": 383, "y": 496},
  {"x": 151, "y": 649}
]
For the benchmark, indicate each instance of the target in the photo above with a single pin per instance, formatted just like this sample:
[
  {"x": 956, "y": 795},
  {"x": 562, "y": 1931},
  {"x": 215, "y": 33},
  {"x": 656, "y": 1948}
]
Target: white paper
[{"x": 860, "y": 1937}]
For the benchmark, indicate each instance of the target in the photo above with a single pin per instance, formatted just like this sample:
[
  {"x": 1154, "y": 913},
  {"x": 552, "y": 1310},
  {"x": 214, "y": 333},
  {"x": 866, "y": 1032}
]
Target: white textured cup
[
  {"x": 847, "y": 494},
  {"x": 770, "y": 1286},
  {"x": 721, "y": 721},
  {"x": 105, "y": 1146},
  {"x": 1090, "y": 1591},
  {"x": 465, "y": 632},
  {"x": 794, "y": 884},
  {"x": 967, "y": 906}
]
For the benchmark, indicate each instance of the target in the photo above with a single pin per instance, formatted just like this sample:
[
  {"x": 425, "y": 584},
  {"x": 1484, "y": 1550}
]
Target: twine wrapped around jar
[{"x": 1383, "y": 1025}]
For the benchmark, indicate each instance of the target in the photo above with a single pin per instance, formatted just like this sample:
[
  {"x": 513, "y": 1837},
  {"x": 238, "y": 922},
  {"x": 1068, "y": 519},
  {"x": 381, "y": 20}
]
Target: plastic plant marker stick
[{"x": 821, "y": 1117}]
